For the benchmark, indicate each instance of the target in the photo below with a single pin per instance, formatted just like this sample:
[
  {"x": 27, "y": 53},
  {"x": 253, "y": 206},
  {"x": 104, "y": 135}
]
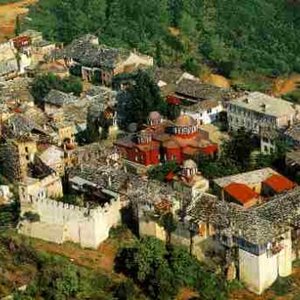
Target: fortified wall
[{"x": 61, "y": 222}]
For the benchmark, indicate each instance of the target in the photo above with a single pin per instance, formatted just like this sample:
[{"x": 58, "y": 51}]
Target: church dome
[
  {"x": 185, "y": 120},
  {"x": 154, "y": 118},
  {"x": 189, "y": 164},
  {"x": 154, "y": 115}
]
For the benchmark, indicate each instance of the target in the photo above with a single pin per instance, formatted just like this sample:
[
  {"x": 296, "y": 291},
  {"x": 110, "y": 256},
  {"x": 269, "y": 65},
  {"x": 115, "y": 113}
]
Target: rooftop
[
  {"x": 279, "y": 183},
  {"x": 199, "y": 91},
  {"x": 59, "y": 98},
  {"x": 265, "y": 104},
  {"x": 293, "y": 132},
  {"x": 247, "y": 178},
  {"x": 89, "y": 54},
  {"x": 240, "y": 192},
  {"x": 200, "y": 106}
]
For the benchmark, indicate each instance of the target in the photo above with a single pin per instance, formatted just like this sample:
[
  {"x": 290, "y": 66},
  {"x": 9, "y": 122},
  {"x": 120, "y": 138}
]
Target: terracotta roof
[
  {"x": 171, "y": 144},
  {"x": 240, "y": 192},
  {"x": 279, "y": 183},
  {"x": 185, "y": 120}
]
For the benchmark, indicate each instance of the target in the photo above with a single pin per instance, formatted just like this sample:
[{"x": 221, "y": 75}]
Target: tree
[
  {"x": 160, "y": 172},
  {"x": 43, "y": 84},
  {"x": 161, "y": 271},
  {"x": 58, "y": 280},
  {"x": 239, "y": 148},
  {"x": 135, "y": 104},
  {"x": 125, "y": 290},
  {"x": 17, "y": 26},
  {"x": 169, "y": 224}
]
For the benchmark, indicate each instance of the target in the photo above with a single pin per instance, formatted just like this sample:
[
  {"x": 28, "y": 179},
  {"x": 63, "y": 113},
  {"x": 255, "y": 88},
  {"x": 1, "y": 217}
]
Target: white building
[
  {"x": 60, "y": 222},
  {"x": 256, "y": 109},
  {"x": 204, "y": 112},
  {"x": 262, "y": 115}
]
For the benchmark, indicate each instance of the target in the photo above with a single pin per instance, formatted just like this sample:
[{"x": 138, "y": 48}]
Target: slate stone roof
[
  {"x": 257, "y": 225},
  {"x": 59, "y": 98},
  {"x": 199, "y": 91},
  {"x": 90, "y": 55},
  {"x": 8, "y": 66},
  {"x": 293, "y": 132},
  {"x": 201, "y": 106}
]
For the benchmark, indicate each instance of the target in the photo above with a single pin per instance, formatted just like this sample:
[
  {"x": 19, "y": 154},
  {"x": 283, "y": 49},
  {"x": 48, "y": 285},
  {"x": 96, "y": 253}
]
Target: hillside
[
  {"x": 9, "y": 10},
  {"x": 235, "y": 38}
]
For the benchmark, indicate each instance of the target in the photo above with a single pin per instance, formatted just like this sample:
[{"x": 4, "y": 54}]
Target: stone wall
[
  {"x": 88, "y": 227},
  {"x": 259, "y": 272}
]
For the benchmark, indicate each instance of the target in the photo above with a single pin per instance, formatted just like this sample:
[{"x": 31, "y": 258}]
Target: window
[
  {"x": 266, "y": 149},
  {"x": 26, "y": 149},
  {"x": 209, "y": 111}
]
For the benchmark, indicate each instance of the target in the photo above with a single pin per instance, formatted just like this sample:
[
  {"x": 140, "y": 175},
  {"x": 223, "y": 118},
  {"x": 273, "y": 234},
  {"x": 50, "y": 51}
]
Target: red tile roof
[
  {"x": 173, "y": 100},
  {"x": 279, "y": 183},
  {"x": 240, "y": 192}
]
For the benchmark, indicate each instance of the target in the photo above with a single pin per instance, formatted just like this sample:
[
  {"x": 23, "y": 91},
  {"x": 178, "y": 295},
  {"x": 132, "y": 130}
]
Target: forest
[{"x": 235, "y": 38}]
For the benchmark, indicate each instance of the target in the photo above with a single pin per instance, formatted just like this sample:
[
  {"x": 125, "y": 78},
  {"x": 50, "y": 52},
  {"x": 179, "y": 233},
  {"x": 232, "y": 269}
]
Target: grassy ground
[{"x": 16, "y": 272}]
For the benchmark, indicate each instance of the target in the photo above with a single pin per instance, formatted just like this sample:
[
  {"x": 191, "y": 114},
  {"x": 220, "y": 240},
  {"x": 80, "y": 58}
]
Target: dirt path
[
  {"x": 285, "y": 86},
  {"x": 8, "y": 14}
]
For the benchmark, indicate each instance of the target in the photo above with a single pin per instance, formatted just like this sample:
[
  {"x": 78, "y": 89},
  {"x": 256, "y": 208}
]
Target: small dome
[
  {"x": 154, "y": 115},
  {"x": 189, "y": 164},
  {"x": 185, "y": 120}
]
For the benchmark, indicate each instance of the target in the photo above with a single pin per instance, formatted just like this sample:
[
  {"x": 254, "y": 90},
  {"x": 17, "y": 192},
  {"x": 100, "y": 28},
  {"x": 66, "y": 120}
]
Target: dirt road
[{"x": 8, "y": 14}]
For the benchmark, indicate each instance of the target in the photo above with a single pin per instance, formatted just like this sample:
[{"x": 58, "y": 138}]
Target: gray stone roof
[
  {"x": 91, "y": 55},
  {"x": 257, "y": 225},
  {"x": 59, "y": 98},
  {"x": 266, "y": 104},
  {"x": 199, "y": 90},
  {"x": 293, "y": 132},
  {"x": 8, "y": 66}
]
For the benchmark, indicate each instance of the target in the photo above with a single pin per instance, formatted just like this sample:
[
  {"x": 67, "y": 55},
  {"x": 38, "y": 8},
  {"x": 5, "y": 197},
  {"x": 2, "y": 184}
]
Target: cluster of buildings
[{"x": 77, "y": 191}]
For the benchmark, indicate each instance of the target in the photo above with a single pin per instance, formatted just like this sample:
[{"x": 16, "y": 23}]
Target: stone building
[
  {"x": 8, "y": 62},
  {"x": 100, "y": 63},
  {"x": 250, "y": 188},
  {"x": 204, "y": 112},
  {"x": 165, "y": 141},
  {"x": 61, "y": 222},
  {"x": 254, "y": 110},
  {"x": 17, "y": 154}
]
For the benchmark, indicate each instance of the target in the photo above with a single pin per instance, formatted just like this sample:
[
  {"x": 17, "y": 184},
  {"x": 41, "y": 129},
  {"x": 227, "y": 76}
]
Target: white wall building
[
  {"x": 255, "y": 110},
  {"x": 61, "y": 222},
  {"x": 204, "y": 112}
]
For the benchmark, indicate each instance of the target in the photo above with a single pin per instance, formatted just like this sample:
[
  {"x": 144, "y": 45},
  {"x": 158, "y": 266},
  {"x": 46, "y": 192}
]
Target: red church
[{"x": 166, "y": 141}]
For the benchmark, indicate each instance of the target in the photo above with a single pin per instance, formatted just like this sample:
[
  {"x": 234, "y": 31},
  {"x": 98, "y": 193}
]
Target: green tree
[
  {"x": 169, "y": 224},
  {"x": 239, "y": 148},
  {"x": 17, "y": 26},
  {"x": 58, "y": 280},
  {"x": 135, "y": 104},
  {"x": 43, "y": 84}
]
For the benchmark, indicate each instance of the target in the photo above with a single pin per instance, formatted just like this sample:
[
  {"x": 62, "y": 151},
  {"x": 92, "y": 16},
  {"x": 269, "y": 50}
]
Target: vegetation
[
  {"x": 32, "y": 217},
  {"x": 42, "y": 85},
  {"x": 135, "y": 103},
  {"x": 162, "y": 271},
  {"x": 237, "y": 156},
  {"x": 9, "y": 215},
  {"x": 169, "y": 224},
  {"x": 50, "y": 276},
  {"x": 283, "y": 286},
  {"x": 160, "y": 172},
  {"x": 239, "y": 39}
]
